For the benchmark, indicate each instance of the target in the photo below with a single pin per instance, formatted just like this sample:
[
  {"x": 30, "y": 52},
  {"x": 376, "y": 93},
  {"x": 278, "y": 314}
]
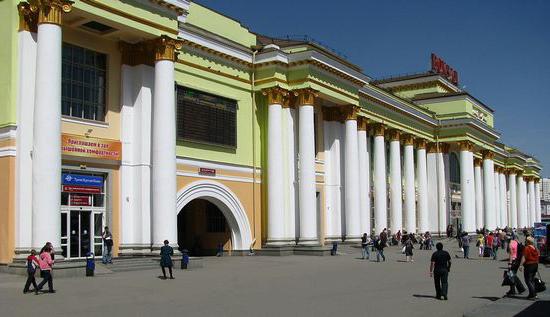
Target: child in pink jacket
[{"x": 46, "y": 264}]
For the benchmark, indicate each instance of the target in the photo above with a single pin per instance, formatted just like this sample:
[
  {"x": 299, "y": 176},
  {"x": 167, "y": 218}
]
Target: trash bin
[
  {"x": 90, "y": 264},
  {"x": 334, "y": 249},
  {"x": 184, "y": 259}
]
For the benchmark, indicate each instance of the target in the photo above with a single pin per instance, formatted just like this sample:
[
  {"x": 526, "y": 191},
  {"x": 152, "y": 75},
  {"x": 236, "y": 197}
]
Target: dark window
[
  {"x": 215, "y": 219},
  {"x": 83, "y": 83},
  {"x": 454, "y": 166},
  {"x": 206, "y": 118}
]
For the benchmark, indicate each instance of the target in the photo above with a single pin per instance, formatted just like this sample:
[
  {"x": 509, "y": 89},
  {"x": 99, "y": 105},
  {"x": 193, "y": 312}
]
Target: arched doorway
[{"x": 214, "y": 200}]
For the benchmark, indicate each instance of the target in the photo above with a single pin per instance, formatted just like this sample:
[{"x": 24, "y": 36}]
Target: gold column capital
[
  {"x": 378, "y": 129},
  {"x": 444, "y": 148},
  {"x": 28, "y": 18},
  {"x": 165, "y": 48},
  {"x": 466, "y": 146},
  {"x": 350, "y": 112},
  {"x": 488, "y": 155},
  {"x": 305, "y": 96},
  {"x": 276, "y": 95},
  {"x": 536, "y": 180},
  {"x": 408, "y": 139},
  {"x": 477, "y": 161},
  {"x": 421, "y": 144},
  {"x": 432, "y": 147},
  {"x": 51, "y": 11},
  {"x": 362, "y": 123},
  {"x": 394, "y": 135}
]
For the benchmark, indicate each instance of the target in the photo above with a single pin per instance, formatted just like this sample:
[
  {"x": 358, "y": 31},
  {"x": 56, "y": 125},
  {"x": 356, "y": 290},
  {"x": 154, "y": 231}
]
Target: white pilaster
[
  {"x": 289, "y": 184},
  {"x": 442, "y": 192},
  {"x": 380, "y": 193},
  {"x": 503, "y": 201},
  {"x": 532, "y": 201},
  {"x": 479, "y": 194},
  {"x": 422, "y": 179},
  {"x": 364, "y": 179},
  {"x": 467, "y": 187},
  {"x": 163, "y": 150},
  {"x": 522, "y": 202},
  {"x": 396, "y": 201},
  {"x": 433, "y": 194},
  {"x": 513, "y": 220},
  {"x": 352, "y": 211},
  {"x": 333, "y": 134},
  {"x": 25, "y": 110},
  {"x": 497, "y": 198},
  {"x": 410, "y": 194},
  {"x": 537, "y": 201},
  {"x": 46, "y": 153},
  {"x": 489, "y": 207}
]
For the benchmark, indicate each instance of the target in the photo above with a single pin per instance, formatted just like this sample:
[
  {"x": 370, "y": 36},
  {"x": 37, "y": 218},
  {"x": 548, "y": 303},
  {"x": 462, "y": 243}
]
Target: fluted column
[
  {"x": 537, "y": 200},
  {"x": 479, "y": 193},
  {"x": 522, "y": 202},
  {"x": 352, "y": 190},
  {"x": 443, "y": 150},
  {"x": 275, "y": 192},
  {"x": 497, "y": 196},
  {"x": 503, "y": 211},
  {"x": 306, "y": 149},
  {"x": 422, "y": 179},
  {"x": 46, "y": 153},
  {"x": 513, "y": 220},
  {"x": 489, "y": 208},
  {"x": 410, "y": 193},
  {"x": 532, "y": 201},
  {"x": 467, "y": 186},
  {"x": 380, "y": 204},
  {"x": 163, "y": 145},
  {"x": 433, "y": 194},
  {"x": 396, "y": 203},
  {"x": 364, "y": 175}
]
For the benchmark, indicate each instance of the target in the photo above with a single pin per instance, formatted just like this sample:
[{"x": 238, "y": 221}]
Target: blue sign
[{"x": 81, "y": 180}]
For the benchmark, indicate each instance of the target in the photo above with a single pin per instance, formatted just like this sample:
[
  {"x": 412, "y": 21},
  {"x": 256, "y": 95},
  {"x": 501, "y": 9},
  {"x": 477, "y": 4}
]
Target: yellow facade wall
[{"x": 7, "y": 208}]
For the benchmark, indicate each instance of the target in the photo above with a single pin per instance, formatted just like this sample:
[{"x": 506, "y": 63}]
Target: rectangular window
[
  {"x": 83, "y": 83},
  {"x": 206, "y": 118}
]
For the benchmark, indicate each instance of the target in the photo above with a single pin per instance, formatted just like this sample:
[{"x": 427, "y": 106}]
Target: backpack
[{"x": 31, "y": 266}]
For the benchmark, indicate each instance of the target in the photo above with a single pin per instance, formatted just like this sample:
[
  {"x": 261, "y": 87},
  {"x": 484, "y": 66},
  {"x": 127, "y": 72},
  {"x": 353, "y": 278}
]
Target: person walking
[
  {"x": 107, "y": 237},
  {"x": 440, "y": 267},
  {"x": 166, "y": 253},
  {"x": 496, "y": 244},
  {"x": 381, "y": 244},
  {"x": 466, "y": 245},
  {"x": 32, "y": 264},
  {"x": 530, "y": 262},
  {"x": 514, "y": 260},
  {"x": 365, "y": 252},
  {"x": 480, "y": 243},
  {"x": 409, "y": 250},
  {"x": 46, "y": 266},
  {"x": 489, "y": 243}
]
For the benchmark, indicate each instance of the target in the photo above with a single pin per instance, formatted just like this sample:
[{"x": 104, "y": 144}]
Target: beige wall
[{"x": 7, "y": 209}]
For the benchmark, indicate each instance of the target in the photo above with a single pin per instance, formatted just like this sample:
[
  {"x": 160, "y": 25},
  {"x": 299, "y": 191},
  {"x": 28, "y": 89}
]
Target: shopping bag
[
  {"x": 540, "y": 285},
  {"x": 507, "y": 279}
]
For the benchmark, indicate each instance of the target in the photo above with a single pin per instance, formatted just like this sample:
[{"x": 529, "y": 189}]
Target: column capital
[
  {"x": 477, "y": 161},
  {"x": 510, "y": 171},
  {"x": 50, "y": 11},
  {"x": 432, "y": 147},
  {"x": 488, "y": 154},
  {"x": 350, "y": 112},
  {"x": 527, "y": 178},
  {"x": 466, "y": 146},
  {"x": 28, "y": 18},
  {"x": 362, "y": 123},
  {"x": 276, "y": 95},
  {"x": 165, "y": 48},
  {"x": 394, "y": 135},
  {"x": 421, "y": 144},
  {"x": 408, "y": 139},
  {"x": 378, "y": 129},
  {"x": 498, "y": 169},
  {"x": 305, "y": 96},
  {"x": 444, "y": 148},
  {"x": 536, "y": 180}
]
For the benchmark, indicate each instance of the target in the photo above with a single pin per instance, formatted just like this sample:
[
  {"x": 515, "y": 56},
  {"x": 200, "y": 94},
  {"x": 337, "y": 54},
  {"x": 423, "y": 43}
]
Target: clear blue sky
[{"x": 501, "y": 49}]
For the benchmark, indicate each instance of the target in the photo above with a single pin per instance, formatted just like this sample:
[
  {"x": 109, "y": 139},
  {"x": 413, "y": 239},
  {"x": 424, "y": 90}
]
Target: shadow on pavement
[
  {"x": 424, "y": 296},
  {"x": 491, "y": 298},
  {"x": 539, "y": 308}
]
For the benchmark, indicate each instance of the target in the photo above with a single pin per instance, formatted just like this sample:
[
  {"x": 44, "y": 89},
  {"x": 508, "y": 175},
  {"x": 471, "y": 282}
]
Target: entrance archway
[{"x": 228, "y": 204}]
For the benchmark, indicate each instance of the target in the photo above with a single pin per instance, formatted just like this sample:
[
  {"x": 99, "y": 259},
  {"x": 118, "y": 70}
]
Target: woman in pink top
[
  {"x": 46, "y": 265},
  {"x": 513, "y": 266}
]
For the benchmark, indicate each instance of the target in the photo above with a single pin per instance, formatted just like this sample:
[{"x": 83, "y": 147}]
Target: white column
[
  {"x": 25, "y": 109},
  {"x": 380, "y": 203},
  {"x": 503, "y": 201},
  {"x": 532, "y": 201},
  {"x": 333, "y": 135},
  {"x": 275, "y": 193},
  {"x": 479, "y": 193},
  {"x": 422, "y": 179},
  {"x": 537, "y": 201},
  {"x": 163, "y": 148},
  {"x": 522, "y": 202},
  {"x": 289, "y": 184},
  {"x": 489, "y": 207},
  {"x": 396, "y": 201},
  {"x": 352, "y": 211},
  {"x": 46, "y": 153},
  {"x": 497, "y": 197},
  {"x": 433, "y": 193},
  {"x": 513, "y": 221},
  {"x": 442, "y": 190},
  {"x": 410, "y": 193},
  {"x": 467, "y": 187},
  {"x": 307, "y": 191},
  {"x": 364, "y": 176}
]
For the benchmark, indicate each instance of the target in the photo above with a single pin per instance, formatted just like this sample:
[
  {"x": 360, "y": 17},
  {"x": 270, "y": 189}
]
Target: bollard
[
  {"x": 184, "y": 259},
  {"x": 90, "y": 264}
]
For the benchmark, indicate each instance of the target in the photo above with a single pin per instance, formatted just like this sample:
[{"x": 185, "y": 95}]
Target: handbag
[
  {"x": 507, "y": 279},
  {"x": 540, "y": 285}
]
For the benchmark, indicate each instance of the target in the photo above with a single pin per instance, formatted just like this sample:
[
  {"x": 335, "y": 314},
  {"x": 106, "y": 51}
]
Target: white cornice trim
[
  {"x": 214, "y": 42},
  {"x": 8, "y": 151},
  {"x": 219, "y": 177},
  {"x": 9, "y": 132},
  {"x": 215, "y": 165},
  {"x": 272, "y": 56},
  {"x": 420, "y": 80}
]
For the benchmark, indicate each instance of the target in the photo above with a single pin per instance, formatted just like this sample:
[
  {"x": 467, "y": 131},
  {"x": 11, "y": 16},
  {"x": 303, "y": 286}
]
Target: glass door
[{"x": 79, "y": 233}]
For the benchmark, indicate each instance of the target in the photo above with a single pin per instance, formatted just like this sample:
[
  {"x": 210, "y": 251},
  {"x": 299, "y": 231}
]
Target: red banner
[
  {"x": 207, "y": 171},
  {"x": 81, "y": 200},
  {"x": 81, "y": 189}
]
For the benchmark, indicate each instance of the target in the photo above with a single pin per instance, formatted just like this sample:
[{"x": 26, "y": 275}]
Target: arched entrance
[{"x": 209, "y": 199}]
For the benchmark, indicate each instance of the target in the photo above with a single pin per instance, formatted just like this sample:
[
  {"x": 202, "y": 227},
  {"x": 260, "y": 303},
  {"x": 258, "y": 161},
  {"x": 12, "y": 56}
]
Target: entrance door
[{"x": 80, "y": 233}]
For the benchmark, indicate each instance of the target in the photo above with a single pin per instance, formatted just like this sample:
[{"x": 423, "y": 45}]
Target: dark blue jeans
[
  {"x": 466, "y": 251},
  {"x": 441, "y": 283},
  {"x": 379, "y": 254}
]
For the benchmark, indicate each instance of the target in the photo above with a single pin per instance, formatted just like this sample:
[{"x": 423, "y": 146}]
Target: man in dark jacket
[{"x": 439, "y": 268}]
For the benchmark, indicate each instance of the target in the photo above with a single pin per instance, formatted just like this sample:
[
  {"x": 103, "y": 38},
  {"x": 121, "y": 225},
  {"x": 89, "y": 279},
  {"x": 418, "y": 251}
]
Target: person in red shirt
[
  {"x": 530, "y": 264},
  {"x": 32, "y": 264},
  {"x": 489, "y": 242}
]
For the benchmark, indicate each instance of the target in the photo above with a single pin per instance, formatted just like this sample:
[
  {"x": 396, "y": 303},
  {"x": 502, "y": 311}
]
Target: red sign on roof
[{"x": 439, "y": 66}]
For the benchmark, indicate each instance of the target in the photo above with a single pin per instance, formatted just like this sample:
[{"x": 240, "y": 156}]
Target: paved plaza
[{"x": 271, "y": 286}]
